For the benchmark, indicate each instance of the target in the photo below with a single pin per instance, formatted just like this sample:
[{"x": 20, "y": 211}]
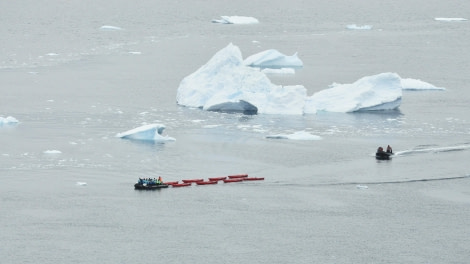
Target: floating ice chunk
[
  {"x": 224, "y": 81},
  {"x": 299, "y": 135},
  {"x": 110, "y": 28},
  {"x": 236, "y": 20},
  {"x": 52, "y": 54},
  {"x": 356, "y": 27},
  {"x": 81, "y": 184},
  {"x": 359, "y": 186},
  {"x": 135, "y": 52},
  {"x": 52, "y": 151},
  {"x": 416, "y": 84},
  {"x": 279, "y": 71},
  {"x": 450, "y": 19},
  {"x": 8, "y": 120},
  {"x": 378, "y": 92},
  {"x": 273, "y": 59},
  {"x": 151, "y": 132}
]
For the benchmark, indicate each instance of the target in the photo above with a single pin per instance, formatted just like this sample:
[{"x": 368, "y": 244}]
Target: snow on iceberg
[
  {"x": 273, "y": 59},
  {"x": 151, "y": 132},
  {"x": 378, "y": 92},
  {"x": 224, "y": 83},
  {"x": 8, "y": 120},
  {"x": 299, "y": 135},
  {"x": 279, "y": 71},
  {"x": 416, "y": 85},
  {"x": 236, "y": 20}
]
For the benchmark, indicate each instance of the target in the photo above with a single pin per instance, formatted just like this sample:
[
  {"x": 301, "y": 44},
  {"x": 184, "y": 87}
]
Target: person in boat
[
  {"x": 380, "y": 150},
  {"x": 389, "y": 149},
  {"x": 160, "y": 181}
]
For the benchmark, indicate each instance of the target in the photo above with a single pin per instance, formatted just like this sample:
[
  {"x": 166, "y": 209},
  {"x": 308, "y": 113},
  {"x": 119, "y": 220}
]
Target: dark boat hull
[
  {"x": 138, "y": 186},
  {"x": 383, "y": 155}
]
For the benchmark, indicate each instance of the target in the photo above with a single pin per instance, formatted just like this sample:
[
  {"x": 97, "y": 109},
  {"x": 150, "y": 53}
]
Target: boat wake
[{"x": 433, "y": 150}]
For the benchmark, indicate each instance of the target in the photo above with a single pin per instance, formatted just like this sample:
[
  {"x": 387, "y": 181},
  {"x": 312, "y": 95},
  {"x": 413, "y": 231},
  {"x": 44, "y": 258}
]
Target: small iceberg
[
  {"x": 299, "y": 135},
  {"x": 110, "y": 28},
  {"x": 236, "y": 20},
  {"x": 356, "y": 27},
  {"x": 378, "y": 92},
  {"x": 450, "y": 19},
  {"x": 82, "y": 184},
  {"x": 363, "y": 187},
  {"x": 151, "y": 132},
  {"x": 52, "y": 151},
  {"x": 417, "y": 85},
  {"x": 273, "y": 59},
  {"x": 8, "y": 120}
]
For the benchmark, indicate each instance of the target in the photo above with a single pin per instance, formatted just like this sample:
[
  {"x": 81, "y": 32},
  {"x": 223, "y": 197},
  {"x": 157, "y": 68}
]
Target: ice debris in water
[
  {"x": 110, "y": 28},
  {"x": 359, "y": 186},
  {"x": 81, "y": 183},
  {"x": 151, "y": 132},
  {"x": 236, "y": 20},
  {"x": 356, "y": 27},
  {"x": 450, "y": 19},
  {"x": 52, "y": 152}
]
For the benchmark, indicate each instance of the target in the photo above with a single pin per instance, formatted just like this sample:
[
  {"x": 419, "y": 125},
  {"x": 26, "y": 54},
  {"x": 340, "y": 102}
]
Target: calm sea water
[{"x": 73, "y": 87}]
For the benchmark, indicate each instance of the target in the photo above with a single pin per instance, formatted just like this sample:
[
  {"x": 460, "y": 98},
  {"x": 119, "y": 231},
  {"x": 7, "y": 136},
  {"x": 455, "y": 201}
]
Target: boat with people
[
  {"x": 384, "y": 155},
  {"x": 150, "y": 184}
]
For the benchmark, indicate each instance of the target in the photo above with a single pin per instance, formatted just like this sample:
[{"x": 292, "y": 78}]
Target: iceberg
[
  {"x": 151, "y": 132},
  {"x": 299, "y": 135},
  {"x": 236, "y": 20},
  {"x": 225, "y": 83},
  {"x": 378, "y": 92},
  {"x": 8, "y": 120},
  {"x": 273, "y": 59},
  {"x": 416, "y": 85}
]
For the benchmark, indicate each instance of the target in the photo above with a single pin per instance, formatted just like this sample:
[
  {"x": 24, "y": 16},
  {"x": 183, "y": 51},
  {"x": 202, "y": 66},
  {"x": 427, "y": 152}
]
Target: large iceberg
[
  {"x": 273, "y": 59},
  {"x": 236, "y": 20},
  {"x": 225, "y": 83},
  {"x": 151, "y": 132},
  {"x": 378, "y": 92}
]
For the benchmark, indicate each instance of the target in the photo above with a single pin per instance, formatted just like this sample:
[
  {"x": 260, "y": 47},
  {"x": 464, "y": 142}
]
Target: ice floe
[
  {"x": 82, "y": 184},
  {"x": 450, "y": 19},
  {"x": 110, "y": 28},
  {"x": 299, "y": 135},
  {"x": 150, "y": 132},
  {"x": 8, "y": 120},
  {"x": 54, "y": 151},
  {"x": 416, "y": 85},
  {"x": 357, "y": 27},
  {"x": 273, "y": 59},
  {"x": 236, "y": 20}
]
